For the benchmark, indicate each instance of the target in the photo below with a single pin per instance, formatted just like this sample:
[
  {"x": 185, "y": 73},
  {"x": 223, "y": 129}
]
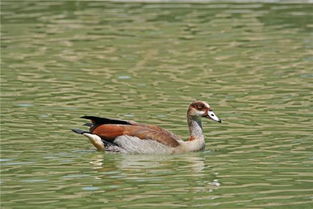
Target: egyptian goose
[{"x": 131, "y": 137}]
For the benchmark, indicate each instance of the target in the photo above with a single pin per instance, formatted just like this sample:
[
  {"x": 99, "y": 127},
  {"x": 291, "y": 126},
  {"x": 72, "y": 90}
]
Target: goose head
[{"x": 202, "y": 109}]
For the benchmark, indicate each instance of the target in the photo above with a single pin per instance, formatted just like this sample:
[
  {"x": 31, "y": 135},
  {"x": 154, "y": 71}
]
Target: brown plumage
[{"x": 142, "y": 131}]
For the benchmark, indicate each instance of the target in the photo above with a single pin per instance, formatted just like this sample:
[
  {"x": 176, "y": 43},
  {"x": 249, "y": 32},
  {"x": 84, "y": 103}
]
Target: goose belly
[{"x": 136, "y": 145}]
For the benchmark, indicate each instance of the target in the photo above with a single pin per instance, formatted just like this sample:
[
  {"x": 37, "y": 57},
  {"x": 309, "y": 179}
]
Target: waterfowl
[{"x": 124, "y": 136}]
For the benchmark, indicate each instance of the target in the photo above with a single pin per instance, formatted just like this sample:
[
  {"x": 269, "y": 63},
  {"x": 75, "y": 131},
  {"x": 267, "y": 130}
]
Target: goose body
[{"x": 130, "y": 137}]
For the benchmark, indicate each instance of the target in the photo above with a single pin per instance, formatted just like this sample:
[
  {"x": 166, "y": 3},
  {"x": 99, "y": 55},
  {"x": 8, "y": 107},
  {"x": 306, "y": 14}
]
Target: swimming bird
[{"x": 124, "y": 136}]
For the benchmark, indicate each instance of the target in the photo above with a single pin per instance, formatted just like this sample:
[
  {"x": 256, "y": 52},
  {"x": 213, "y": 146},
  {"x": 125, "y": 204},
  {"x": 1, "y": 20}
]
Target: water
[{"x": 252, "y": 62}]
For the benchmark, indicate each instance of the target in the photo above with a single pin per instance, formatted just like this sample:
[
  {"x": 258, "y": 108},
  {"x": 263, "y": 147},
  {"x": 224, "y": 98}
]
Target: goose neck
[{"x": 195, "y": 127}]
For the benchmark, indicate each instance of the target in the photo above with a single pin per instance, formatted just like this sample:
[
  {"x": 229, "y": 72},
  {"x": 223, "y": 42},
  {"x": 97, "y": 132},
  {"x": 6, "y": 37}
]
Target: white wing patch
[{"x": 145, "y": 146}]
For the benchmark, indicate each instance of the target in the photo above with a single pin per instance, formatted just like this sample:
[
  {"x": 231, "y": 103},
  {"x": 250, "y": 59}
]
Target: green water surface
[{"x": 252, "y": 62}]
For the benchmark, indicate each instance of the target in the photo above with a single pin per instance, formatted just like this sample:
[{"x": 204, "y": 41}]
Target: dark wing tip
[
  {"x": 99, "y": 120},
  {"x": 86, "y": 117},
  {"x": 88, "y": 124},
  {"x": 79, "y": 131}
]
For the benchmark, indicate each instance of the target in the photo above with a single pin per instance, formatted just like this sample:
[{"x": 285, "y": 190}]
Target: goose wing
[{"x": 110, "y": 129}]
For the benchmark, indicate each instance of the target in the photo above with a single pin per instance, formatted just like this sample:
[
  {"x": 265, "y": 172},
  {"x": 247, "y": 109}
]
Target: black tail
[
  {"x": 99, "y": 121},
  {"x": 79, "y": 131}
]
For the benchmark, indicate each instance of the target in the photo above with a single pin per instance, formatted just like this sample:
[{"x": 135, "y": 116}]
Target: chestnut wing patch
[
  {"x": 111, "y": 131},
  {"x": 160, "y": 135}
]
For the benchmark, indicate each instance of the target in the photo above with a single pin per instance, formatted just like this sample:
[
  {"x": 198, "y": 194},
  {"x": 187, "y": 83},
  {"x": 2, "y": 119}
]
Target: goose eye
[{"x": 200, "y": 107}]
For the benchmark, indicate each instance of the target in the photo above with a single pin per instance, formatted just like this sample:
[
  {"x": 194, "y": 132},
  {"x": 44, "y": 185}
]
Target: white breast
[{"x": 136, "y": 145}]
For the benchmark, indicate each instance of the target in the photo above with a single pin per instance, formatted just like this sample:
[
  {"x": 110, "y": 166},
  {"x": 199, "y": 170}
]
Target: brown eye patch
[{"x": 198, "y": 105}]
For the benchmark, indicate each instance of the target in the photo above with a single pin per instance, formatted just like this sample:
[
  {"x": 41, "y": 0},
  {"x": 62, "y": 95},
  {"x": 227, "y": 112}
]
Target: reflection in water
[
  {"x": 179, "y": 172},
  {"x": 132, "y": 161}
]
